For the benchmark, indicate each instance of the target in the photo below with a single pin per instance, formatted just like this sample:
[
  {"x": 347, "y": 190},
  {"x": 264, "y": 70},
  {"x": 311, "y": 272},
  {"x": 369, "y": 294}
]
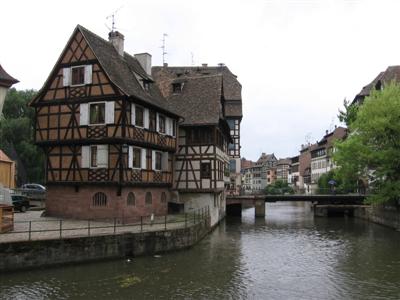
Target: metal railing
[{"x": 60, "y": 229}]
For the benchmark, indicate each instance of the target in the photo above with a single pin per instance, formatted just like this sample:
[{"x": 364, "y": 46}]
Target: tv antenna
[
  {"x": 112, "y": 17},
  {"x": 164, "y": 52},
  {"x": 192, "y": 56}
]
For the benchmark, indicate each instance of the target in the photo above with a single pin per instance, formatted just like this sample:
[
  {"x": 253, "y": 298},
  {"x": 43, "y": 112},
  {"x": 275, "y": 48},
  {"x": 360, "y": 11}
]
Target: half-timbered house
[
  {"x": 202, "y": 158},
  {"x": 108, "y": 134}
]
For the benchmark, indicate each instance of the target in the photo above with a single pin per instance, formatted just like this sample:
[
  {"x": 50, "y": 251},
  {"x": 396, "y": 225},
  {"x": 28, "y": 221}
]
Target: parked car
[
  {"x": 34, "y": 186},
  {"x": 20, "y": 202}
]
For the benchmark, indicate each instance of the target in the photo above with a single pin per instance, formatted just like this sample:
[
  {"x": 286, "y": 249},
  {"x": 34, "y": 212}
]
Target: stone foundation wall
[
  {"x": 384, "y": 215},
  {"x": 64, "y": 201},
  {"x": 33, "y": 254}
]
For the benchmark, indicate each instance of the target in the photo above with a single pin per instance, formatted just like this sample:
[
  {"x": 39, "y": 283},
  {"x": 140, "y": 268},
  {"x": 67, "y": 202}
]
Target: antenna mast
[
  {"x": 164, "y": 52},
  {"x": 112, "y": 16}
]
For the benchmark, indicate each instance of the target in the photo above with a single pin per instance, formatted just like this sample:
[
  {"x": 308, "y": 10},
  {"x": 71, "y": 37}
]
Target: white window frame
[
  {"x": 153, "y": 160},
  {"x": 99, "y": 166},
  {"x": 84, "y": 75},
  {"x": 105, "y": 112},
  {"x": 165, "y": 124},
  {"x": 141, "y": 159},
  {"x": 133, "y": 116}
]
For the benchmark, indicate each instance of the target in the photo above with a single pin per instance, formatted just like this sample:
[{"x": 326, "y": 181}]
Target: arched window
[
  {"x": 131, "y": 201},
  {"x": 99, "y": 199},
  {"x": 149, "y": 199},
  {"x": 163, "y": 197}
]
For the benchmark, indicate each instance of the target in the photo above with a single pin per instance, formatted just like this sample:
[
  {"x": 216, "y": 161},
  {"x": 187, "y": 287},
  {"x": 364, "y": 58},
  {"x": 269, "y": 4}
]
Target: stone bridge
[{"x": 234, "y": 203}]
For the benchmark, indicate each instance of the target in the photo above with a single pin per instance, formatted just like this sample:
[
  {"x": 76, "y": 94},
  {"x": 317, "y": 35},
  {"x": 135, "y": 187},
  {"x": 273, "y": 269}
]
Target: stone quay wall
[
  {"x": 380, "y": 214},
  {"x": 40, "y": 253}
]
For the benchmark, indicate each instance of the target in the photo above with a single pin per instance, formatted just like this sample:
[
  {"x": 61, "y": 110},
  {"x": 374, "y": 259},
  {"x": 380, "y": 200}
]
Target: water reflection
[{"x": 287, "y": 255}]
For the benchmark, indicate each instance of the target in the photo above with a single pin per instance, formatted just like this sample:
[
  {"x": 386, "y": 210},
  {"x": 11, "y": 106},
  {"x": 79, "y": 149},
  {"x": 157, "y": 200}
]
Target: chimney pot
[
  {"x": 165, "y": 65},
  {"x": 204, "y": 65},
  {"x": 326, "y": 131},
  {"x": 117, "y": 40}
]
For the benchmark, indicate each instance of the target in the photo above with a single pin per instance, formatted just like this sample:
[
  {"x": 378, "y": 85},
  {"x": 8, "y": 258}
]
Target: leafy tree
[
  {"x": 16, "y": 132},
  {"x": 349, "y": 114},
  {"x": 279, "y": 187},
  {"x": 372, "y": 150}
]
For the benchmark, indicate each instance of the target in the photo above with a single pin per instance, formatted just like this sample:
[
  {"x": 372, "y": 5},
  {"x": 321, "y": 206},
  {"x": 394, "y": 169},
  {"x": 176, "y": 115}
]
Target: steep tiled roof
[
  {"x": 284, "y": 161},
  {"x": 392, "y": 73},
  {"x": 121, "y": 70},
  {"x": 232, "y": 87},
  {"x": 4, "y": 157},
  {"x": 5, "y": 79},
  {"x": 265, "y": 158},
  {"x": 199, "y": 101}
]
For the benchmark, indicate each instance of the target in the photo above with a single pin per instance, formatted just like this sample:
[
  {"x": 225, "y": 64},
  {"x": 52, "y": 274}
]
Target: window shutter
[
  {"x": 88, "y": 74},
  {"x": 84, "y": 114},
  {"x": 143, "y": 159},
  {"x": 146, "y": 118},
  {"x": 130, "y": 157},
  {"x": 66, "y": 76},
  {"x": 153, "y": 160},
  {"x": 110, "y": 112},
  {"x": 164, "y": 162},
  {"x": 102, "y": 156},
  {"x": 168, "y": 126},
  {"x": 157, "y": 122},
  {"x": 85, "y": 156},
  {"x": 133, "y": 114}
]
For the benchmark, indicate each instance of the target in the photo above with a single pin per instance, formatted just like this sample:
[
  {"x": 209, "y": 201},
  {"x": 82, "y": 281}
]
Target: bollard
[
  {"x": 141, "y": 223},
  {"x": 88, "y": 227},
  {"x": 30, "y": 227},
  {"x": 185, "y": 220},
  {"x": 115, "y": 224},
  {"x": 60, "y": 229},
  {"x": 165, "y": 222}
]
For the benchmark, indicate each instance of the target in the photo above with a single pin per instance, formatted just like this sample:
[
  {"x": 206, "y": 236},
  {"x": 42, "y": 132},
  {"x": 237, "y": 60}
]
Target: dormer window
[
  {"x": 146, "y": 85},
  {"x": 77, "y": 75},
  {"x": 177, "y": 87}
]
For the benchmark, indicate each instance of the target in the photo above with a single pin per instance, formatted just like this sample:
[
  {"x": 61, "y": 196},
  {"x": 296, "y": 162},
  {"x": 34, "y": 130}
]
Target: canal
[{"x": 288, "y": 255}]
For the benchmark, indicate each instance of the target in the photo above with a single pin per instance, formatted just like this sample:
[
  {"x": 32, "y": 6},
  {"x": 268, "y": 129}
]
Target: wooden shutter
[
  {"x": 153, "y": 160},
  {"x": 143, "y": 158},
  {"x": 130, "y": 157},
  {"x": 102, "y": 156},
  {"x": 84, "y": 114},
  {"x": 85, "y": 157},
  {"x": 110, "y": 112},
  {"x": 88, "y": 74},
  {"x": 66, "y": 76},
  {"x": 133, "y": 114},
  {"x": 164, "y": 161},
  {"x": 146, "y": 118}
]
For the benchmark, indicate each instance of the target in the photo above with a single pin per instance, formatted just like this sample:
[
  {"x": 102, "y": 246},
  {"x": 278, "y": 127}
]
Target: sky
[{"x": 296, "y": 60}]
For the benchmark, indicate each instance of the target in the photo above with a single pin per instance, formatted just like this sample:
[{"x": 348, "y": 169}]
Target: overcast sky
[{"x": 296, "y": 60}]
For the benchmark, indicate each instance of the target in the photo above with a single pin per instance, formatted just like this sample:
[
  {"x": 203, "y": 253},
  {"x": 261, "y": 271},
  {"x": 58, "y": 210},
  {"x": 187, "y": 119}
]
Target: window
[
  {"x": 97, "y": 113},
  {"x": 78, "y": 75},
  {"x": 205, "y": 170},
  {"x": 163, "y": 197},
  {"x": 161, "y": 124},
  {"x": 232, "y": 166},
  {"x": 99, "y": 199},
  {"x": 136, "y": 158},
  {"x": 153, "y": 120},
  {"x": 176, "y": 87},
  {"x": 139, "y": 112},
  {"x": 173, "y": 128},
  {"x": 131, "y": 201},
  {"x": 158, "y": 159},
  {"x": 146, "y": 85},
  {"x": 198, "y": 136},
  {"x": 93, "y": 156},
  {"x": 149, "y": 200}
]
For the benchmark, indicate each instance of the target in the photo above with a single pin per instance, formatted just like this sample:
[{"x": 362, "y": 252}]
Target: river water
[{"x": 288, "y": 255}]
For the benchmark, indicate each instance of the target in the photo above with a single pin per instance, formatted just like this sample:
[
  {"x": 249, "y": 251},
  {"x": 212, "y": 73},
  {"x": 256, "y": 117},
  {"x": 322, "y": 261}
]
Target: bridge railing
[{"x": 308, "y": 191}]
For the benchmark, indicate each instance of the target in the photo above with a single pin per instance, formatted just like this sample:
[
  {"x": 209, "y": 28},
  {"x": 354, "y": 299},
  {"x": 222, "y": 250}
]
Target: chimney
[
  {"x": 165, "y": 65},
  {"x": 145, "y": 61},
  {"x": 204, "y": 65},
  {"x": 117, "y": 40},
  {"x": 326, "y": 132}
]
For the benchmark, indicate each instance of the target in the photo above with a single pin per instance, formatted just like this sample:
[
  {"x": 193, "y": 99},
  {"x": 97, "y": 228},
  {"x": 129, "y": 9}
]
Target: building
[
  {"x": 231, "y": 103},
  {"x": 283, "y": 169},
  {"x": 267, "y": 168},
  {"x": 202, "y": 158},
  {"x": 124, "y": 139},
  {"x": 392, "y": 73},
  {"x": 321, "y": 155},
  {"x": 108, "y": 135},
  {"x": 305, "y": 168},
  {"x": 294, "y": 174},
  {"x": 6, "y": 81}
]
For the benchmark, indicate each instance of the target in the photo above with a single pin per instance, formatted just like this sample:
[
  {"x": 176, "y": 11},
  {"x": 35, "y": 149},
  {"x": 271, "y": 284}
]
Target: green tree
[
  {"x": 16, "y": 131},
  {"x": 349, "y": 114},
  {"x": 279, "y": 187},
  {"x": 372, "y": 150}
]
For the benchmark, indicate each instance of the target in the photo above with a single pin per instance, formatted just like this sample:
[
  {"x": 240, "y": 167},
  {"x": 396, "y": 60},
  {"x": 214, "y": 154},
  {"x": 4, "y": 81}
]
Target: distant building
[
  {"x": 6, "y": 81},
  {"x": 7, "y": 171},
  {"x": 321, "y": 155},
  {"x": 305, "y": 167},
  {"x": 294, "y": 175},
  {"x": 283, "y": 169}
]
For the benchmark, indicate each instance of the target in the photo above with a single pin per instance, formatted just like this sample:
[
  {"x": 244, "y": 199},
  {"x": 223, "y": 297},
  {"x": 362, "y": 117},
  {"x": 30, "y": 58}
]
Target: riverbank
[
  {"x": 19, "y": 255},
  {"x": 385, "y": 215}
]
